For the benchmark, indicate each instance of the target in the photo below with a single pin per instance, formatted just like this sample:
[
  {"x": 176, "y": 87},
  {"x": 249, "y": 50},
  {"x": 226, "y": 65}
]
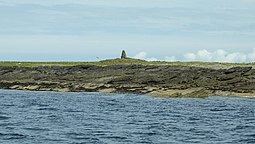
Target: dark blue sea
[{"x": 76, "y": 118}]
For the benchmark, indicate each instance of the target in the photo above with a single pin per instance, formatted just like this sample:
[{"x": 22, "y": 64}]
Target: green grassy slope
[{"x": 121, "y": 61}]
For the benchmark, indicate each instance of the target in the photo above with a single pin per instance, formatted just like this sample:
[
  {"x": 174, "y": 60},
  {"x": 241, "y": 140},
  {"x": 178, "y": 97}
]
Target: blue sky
[{"x": 81, "y": 30}]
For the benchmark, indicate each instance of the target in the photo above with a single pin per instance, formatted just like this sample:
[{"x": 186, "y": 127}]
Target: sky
[{"x": 92, "y": 30}]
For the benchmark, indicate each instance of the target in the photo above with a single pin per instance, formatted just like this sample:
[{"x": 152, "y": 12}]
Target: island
[{"x": 126, "y": 75}]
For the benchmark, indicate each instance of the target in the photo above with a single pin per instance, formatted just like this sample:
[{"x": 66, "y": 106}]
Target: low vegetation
[{"x": 119, "y": 61}]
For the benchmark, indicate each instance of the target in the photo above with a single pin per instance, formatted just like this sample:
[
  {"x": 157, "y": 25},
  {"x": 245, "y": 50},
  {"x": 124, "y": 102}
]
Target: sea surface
[{"x": 75, "y": 118}]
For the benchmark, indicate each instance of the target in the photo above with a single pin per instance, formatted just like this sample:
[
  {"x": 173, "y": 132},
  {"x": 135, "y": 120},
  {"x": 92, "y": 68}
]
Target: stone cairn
[{"x": 123, "y": 55}]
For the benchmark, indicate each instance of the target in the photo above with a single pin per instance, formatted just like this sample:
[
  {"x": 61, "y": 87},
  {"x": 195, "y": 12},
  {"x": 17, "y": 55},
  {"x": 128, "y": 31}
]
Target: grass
[{"x": 121, "y": 61}]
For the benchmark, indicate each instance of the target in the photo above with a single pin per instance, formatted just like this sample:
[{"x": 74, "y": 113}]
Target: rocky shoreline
[{"x": 153, "y": 80}]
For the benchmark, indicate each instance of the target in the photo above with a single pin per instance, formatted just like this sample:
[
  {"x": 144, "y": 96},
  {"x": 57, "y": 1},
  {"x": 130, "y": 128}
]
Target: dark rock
[
  {"x": 238, "y": 70},
  {"x": 148, "y": 79}
]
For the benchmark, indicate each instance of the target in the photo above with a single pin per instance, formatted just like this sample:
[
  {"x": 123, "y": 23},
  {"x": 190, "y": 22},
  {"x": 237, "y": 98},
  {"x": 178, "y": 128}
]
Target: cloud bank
[
  {"x": 220, "y": 56},
  {"x": 143, "y": 56},
  {"x": 206, "y": 56}
]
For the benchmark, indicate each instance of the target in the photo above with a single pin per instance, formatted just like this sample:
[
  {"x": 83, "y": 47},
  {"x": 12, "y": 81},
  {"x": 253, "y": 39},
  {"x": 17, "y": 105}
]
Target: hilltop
[{"x": 127, "y": 61}]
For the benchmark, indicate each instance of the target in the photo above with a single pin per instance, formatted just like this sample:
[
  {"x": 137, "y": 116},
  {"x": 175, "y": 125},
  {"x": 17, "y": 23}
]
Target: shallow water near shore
[{"x": 51, "y": 117}]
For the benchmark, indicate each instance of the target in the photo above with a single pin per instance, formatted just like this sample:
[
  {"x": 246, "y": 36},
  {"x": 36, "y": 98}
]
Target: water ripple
[
  {"x": 48, "y": 109},
  {"x": 49, "y": 117},
  {"x": 4, "y": 117},
  {"x": 36, "y": 129},
  {"x": 11, "y": 136}
]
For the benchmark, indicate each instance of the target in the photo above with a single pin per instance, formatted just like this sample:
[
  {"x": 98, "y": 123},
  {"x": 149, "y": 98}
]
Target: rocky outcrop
[{"x": 155, "y": 80}]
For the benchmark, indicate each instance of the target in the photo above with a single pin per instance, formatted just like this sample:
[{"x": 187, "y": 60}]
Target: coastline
[{"x": 152, "y": 80}]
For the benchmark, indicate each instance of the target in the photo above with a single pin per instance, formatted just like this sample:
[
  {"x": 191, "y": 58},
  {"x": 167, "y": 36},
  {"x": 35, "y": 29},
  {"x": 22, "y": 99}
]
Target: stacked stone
[{"x": 123, "y": 55}]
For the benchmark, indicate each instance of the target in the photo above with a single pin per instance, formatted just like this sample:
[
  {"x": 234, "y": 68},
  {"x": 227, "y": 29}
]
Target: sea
[{"x": 98, "y": 118}]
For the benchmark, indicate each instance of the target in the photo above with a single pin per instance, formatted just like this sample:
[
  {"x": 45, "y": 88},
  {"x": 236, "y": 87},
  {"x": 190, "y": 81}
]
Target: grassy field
[{"x": 123, "y": 61}]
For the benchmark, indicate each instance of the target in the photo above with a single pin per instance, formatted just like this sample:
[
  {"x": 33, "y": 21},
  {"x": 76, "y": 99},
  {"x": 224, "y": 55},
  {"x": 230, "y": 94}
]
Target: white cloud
[
  {"x": 220, "y": 56},
  {"x": 206, "y": 56},
  {"x": 170, "y": 59},
  {"x": 190, "y": 56},
  {"x": 141, "y": 55},
  {"x": 151, "y": 59},
  {"x": 251, "y": 56},
  {"x": 236, "y": 57}
]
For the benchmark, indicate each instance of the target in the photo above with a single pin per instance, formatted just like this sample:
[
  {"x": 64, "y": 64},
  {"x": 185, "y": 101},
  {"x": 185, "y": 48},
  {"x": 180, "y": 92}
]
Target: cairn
[{"x": 123, "y": 55}]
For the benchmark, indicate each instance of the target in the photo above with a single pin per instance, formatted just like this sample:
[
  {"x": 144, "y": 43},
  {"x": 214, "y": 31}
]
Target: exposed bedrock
[{"x": 155, "y": 80}]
